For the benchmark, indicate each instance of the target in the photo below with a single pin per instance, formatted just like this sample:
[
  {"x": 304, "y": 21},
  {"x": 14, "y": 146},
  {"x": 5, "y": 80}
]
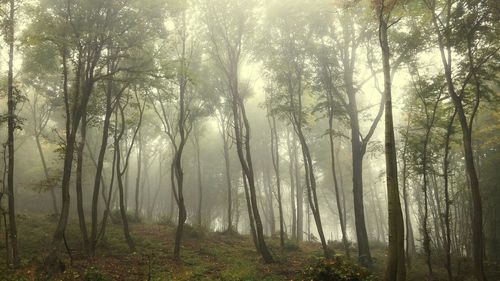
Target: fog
[{"x": 365, "y": 132}]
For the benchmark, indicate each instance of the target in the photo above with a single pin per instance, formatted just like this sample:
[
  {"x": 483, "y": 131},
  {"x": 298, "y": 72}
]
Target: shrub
[{"x": 336, "y": 269}]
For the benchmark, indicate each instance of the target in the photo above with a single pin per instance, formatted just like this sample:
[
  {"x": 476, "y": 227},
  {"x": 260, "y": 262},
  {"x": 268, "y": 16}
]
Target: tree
[
  {"x": 396, "y": 268},
  {"x": 471, "y": 22},
  {"x": 275, "y": 157},
  {"x": 12, "y": 124},
  {"x": 178, "y": 126},
  {"x": 346, "y": 45},
  {"x": 290, "y": 33},
  {"x": 120, "y": 171},
  {"x": 226, "y": 49}
]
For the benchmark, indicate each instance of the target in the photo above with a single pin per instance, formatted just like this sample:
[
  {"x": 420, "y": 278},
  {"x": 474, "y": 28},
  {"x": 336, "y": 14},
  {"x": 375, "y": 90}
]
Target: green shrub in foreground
[{"x": 336, "y": 269}]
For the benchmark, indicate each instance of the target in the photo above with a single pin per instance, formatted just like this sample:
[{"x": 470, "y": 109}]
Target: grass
[{"x": 205, "y": 256}]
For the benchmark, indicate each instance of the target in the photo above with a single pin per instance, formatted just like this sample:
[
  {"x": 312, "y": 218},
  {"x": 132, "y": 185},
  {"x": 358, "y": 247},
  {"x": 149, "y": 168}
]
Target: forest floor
[{"x": 205, "y": 256}]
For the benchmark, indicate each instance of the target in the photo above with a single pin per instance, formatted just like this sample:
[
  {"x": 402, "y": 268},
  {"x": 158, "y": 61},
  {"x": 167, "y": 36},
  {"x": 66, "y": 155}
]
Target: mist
[{"x": 249, "y": 140}]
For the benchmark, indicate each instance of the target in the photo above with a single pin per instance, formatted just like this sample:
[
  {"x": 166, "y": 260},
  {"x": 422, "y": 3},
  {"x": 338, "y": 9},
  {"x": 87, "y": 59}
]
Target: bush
[{"x": 336, "y": 269}]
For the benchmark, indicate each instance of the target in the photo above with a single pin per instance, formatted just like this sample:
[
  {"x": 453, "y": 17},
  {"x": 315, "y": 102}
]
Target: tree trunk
[
  {"x": 68, "y": 156},
  {"x": 11, "y": 124},
  {"x": 74, "y": 114},
  {"x": 345, "y": 241},
  {"x": 296, "y": 118},
  {"x": 46, "y": 173},
  {"x": 138, "y": 178},
  {"x": 242, "y": 136},
  {"x": 100, "y": 166},
  {"x": 123, "y": 211},
  {"x": 276, "y": 165},
  {"x": 410, "y": 241},
  {"x": 268, "y": 191},
  {"x": 119, "y": 173},
  {"x": 107, "y": 211},
  {"x": 292, "y": 187},
  {"x": 251, "y": 219},
  {"x": 228, "y": 179},
  {"x": 447, "y": 202},
  {"x": 357, "y": 181},
  {"x": 299, "y": 191},
  {"x": 395, "y": 269},
  {"x": 79, "y": 189},
  {"x": 199, "y": 178}
]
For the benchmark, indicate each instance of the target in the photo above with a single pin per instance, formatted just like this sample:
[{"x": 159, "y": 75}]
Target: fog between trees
[{"x": 358, "y": 125}]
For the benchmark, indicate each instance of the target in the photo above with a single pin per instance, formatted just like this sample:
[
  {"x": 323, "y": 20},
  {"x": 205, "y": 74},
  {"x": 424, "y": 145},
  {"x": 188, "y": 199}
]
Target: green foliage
[{"x": 336, "y": 269}]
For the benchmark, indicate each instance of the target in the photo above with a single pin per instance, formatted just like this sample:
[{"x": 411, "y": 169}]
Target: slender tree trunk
[
  {"x": 348, "y": 61},
  {"x": 138, "y": 178},
  {"x": 307, "y": 160},
  {"x": 11, "y": 124},
  {"x": 79, "y": 189},
  {"x": 410, "y": 241},
  {"x": 107, "y": 211},
  {"x": 299, "y": 191},
  {"x": 251, "y": 219},
  {"x": 68, "y": 156},
  {"x": 199, "y": 178},
  {"x": 345, "y": 241},
  {"x": 127, "y": 180},
  {"x": 396, "y": 269},
  {"x": 123, "y": 211},
  {"x": 292, "y": 186},
  {"x": 276, "y": 165},
  {"x": 74, "y": 114},
  {"x": 268, "y": 191},
  {"x": 446, "y": 164},
  {"x": 120, "y": 172},
  {"x": 228, "y": 178},
  {"x": 242, "y": 136},
  {"x": 46, "y": 173},
  {"x": 100, "y": 166}
]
